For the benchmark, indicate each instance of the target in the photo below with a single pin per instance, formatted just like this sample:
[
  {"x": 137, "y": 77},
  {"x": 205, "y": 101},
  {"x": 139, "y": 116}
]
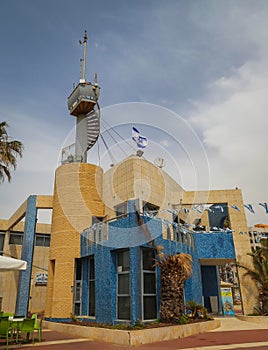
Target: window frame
[
  {"x": 143, "y": 294},
  {"x": 91, "y": 281},
  {"x": 13, "y": 234},
  {"x": 120, "y": 272},
  {"x": 148, "y": 206},
  {"x": 45, "y": 238},
  {"x": 77, "y": 290}
]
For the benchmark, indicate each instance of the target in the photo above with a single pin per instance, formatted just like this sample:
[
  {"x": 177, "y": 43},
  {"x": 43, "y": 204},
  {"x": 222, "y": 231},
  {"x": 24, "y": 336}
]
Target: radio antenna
[{"x": 83, "y": 75}]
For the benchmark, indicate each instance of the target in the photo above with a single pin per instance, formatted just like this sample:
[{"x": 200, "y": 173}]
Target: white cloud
[{"x": 233, "y": 121}]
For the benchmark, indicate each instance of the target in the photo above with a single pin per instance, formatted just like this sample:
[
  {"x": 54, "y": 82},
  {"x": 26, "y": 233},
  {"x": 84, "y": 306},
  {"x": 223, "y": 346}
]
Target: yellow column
[{"x": 77, "y": 197}]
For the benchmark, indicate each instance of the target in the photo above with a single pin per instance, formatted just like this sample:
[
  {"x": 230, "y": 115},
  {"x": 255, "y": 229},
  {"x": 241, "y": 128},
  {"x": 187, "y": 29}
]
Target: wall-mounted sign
[{"x": 41, "y": 278}]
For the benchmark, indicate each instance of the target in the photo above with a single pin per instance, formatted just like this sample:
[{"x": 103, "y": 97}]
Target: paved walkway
[{"x": 233, "y": 334}]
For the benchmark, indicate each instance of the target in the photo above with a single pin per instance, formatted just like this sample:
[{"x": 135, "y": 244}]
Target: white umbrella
[{"x": 10, "y": 264}]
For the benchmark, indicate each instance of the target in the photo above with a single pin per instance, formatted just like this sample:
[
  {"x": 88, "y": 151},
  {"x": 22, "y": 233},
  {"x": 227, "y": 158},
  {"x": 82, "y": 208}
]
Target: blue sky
[{"x": 203, "y": 63}]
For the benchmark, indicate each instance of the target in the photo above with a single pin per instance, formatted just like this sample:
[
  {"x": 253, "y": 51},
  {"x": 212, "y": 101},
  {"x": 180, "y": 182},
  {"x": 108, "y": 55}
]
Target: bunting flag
[
  {"x": 235, "y": 207},
  {"x": 140, "y": 140},
  {"x": 250, "y": 208},
  {"x": 265, "y": 206},
  {"x": 219, "y": 207},
  {"x": 199, "y": 208},
  {"x": 207, "y": 207}
]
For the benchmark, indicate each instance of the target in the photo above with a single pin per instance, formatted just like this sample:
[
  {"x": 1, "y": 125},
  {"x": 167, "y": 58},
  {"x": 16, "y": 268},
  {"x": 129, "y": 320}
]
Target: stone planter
[
  {"x": 133, "y": 337},
  {"x": 255, "y": 319}
]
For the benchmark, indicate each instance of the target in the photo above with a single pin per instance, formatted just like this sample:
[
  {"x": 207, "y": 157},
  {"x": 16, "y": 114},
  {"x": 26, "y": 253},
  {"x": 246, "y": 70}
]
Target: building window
[
  {"x": 42, "y": 240},
  {"x": 16, "y": 238},
  {"x": 2, "y": 242},
  {"x": 149, "y": 300},
  {"x": 123, "y": 285},
  {"x": 91, "y": 287},
  {"x": 121, "y": 209},
  {"x": 149, "y": 207},
  {"x": 78, "y": 287}
]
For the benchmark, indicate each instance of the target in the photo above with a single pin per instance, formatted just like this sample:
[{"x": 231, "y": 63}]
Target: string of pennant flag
[
  {"x": 202, "y": 207},
  {"x": 187, "y": 227}
]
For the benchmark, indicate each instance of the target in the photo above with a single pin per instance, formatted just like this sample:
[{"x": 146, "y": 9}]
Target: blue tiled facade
[
  {"x": 132, "y": 233},
  {"x": 24, "y": 284}
]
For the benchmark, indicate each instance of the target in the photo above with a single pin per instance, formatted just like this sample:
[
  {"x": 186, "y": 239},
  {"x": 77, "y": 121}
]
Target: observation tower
[{"x": 83, "y": 104}]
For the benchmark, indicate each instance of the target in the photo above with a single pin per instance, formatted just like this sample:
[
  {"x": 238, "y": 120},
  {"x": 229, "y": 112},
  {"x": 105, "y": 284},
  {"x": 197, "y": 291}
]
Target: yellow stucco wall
[
  {"x": 77, "y": 197},
  {"x": 138, "y": 178},
  {"x": 9, "y": 280}
]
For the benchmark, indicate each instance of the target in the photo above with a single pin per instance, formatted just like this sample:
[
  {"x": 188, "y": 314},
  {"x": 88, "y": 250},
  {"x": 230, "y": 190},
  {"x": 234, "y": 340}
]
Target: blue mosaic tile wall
[
  {"x": 127, "y": 233},
  {"x": 214, "y": 245}
]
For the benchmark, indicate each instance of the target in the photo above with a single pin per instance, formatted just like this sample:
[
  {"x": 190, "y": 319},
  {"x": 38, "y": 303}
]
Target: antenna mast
[
  {"x": 83, "y": 75},
  {"x": 83, "y": 104}
]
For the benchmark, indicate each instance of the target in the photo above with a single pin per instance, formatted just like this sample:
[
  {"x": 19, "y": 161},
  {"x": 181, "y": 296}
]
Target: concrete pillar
[{"x": 24, "y": 284}]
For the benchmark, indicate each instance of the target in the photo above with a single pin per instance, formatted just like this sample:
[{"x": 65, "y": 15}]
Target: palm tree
[
  {"x": 9, "y": 150},
  {"x": 259, "y": 273},
  {"x": 175, "y": 270}
]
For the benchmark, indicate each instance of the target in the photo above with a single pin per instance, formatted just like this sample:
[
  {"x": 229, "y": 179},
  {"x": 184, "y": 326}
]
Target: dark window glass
[
  {"x": 91, "y": 306},
  {"x": 16, "y": 238},
  {"x": 123, "y": 283},
  {"x": 42, "y": 240},
  {"x": 77, "y": 308},
  {"x": 91, "y": 288},
  {"x": 91, "y": 269},
  {"x": 149, "y": 207},
  {"x": 149, "y": 283},
  {"x": 123, "y": 308},
  {"x": 123, "y": 261},
  {"x": 2, "y": 241},
  {"x": 148, "y": 259},
  {"x": 123, "y": 288},
  {"x": 96, "y": 219},
  {"x": 78, "y": 289},
  {"x": 78, "y": 270},
  {"x": 149, "y": 307}
]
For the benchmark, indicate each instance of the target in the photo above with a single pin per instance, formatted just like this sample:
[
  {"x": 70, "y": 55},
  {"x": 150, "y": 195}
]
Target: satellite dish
[{"x": 159, "y": 162}]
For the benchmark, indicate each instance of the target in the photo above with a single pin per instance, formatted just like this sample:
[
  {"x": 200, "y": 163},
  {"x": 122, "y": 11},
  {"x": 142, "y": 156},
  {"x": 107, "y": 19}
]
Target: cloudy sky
[{"x": 191, "y": 75}]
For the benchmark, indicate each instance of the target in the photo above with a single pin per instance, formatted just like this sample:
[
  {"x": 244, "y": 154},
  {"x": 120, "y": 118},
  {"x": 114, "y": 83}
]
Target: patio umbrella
[{"x": 11, "y": 264}]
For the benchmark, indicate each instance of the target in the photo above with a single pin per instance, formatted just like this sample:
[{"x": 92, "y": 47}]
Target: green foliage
[
  {"x": 122, "y": 326},
  {"x": 9, "y": 150},
  {"x": 183, "y": 320},
  {"x": 195, "y": 311}
]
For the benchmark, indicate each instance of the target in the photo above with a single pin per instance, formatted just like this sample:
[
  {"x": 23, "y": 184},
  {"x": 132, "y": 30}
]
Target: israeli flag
[
  {"x": 140, "y": 140},
  {"x": 265, "y": 206}
]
